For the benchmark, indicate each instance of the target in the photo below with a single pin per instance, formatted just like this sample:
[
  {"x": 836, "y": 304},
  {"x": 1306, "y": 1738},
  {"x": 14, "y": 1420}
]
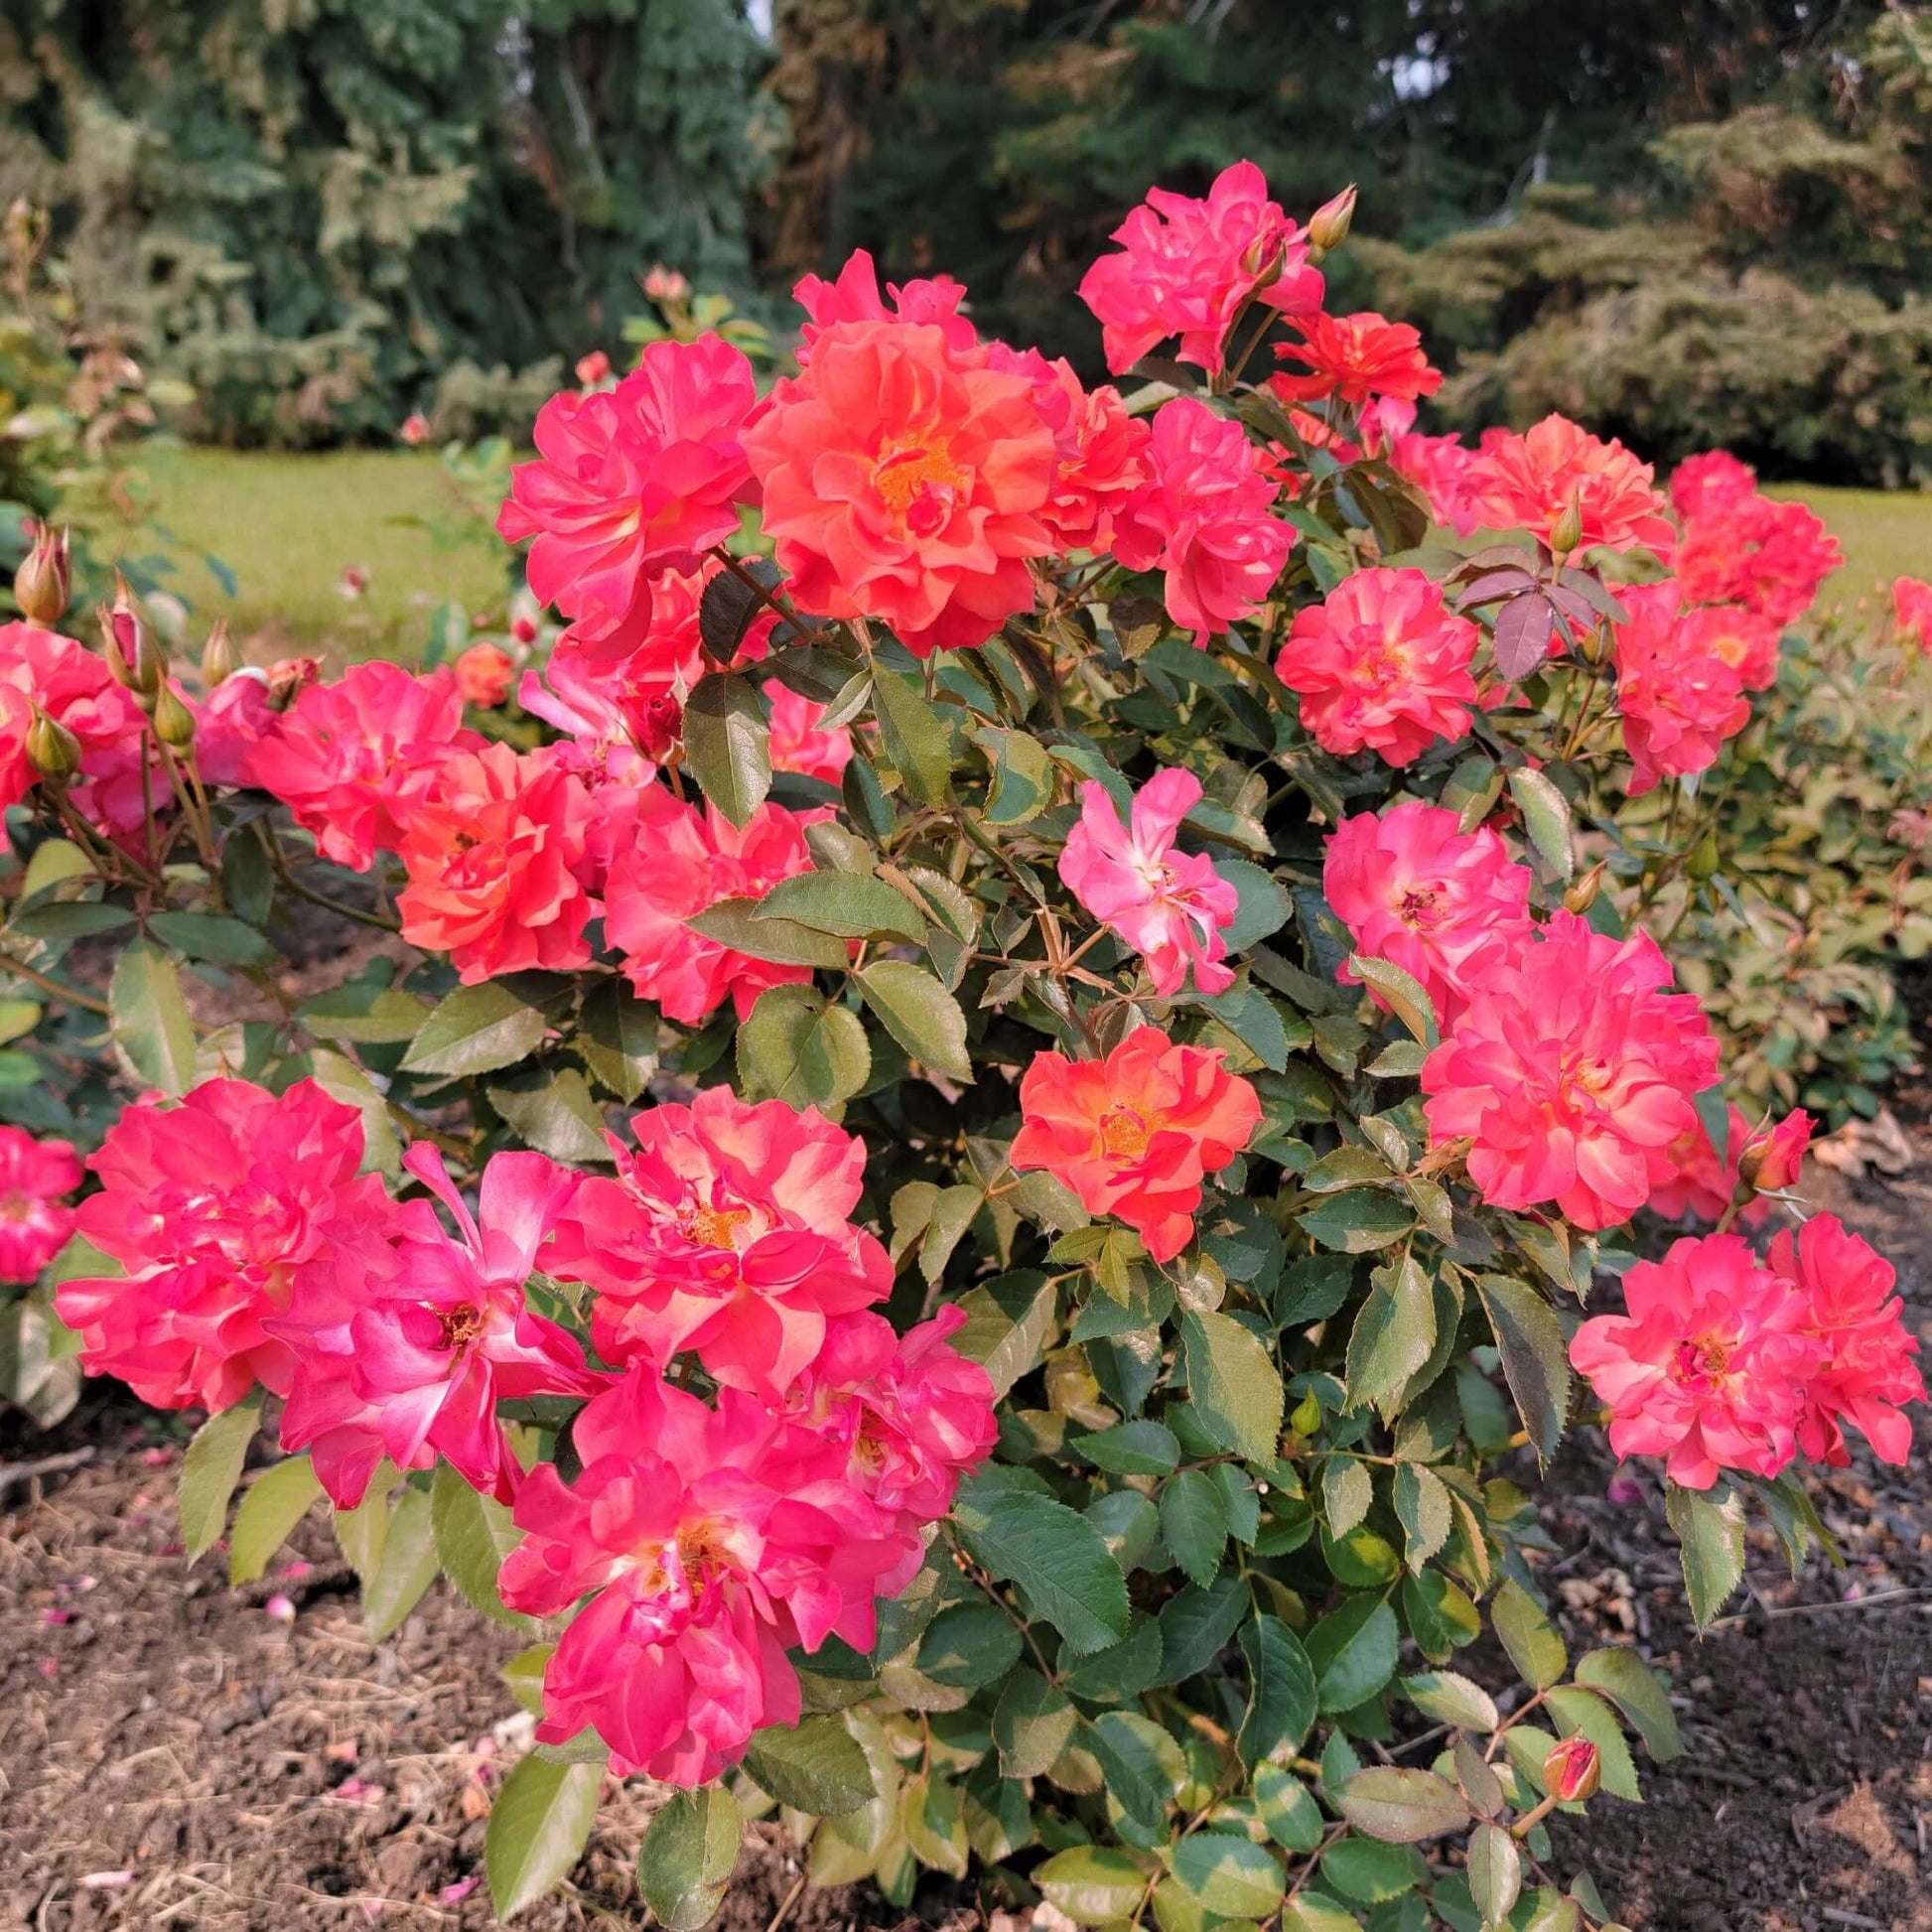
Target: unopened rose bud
[
  {"x": 1264, "y": 261},
  {"x": 1771, "y": 1162},
  {"x": 659, "y": 726},
  {"x": 1306, "y": 1419},
  {"x": 1582, "y": 895},
  {"x": 52, "y": 750},
  {"x": 663, "y": 284},
  {"x": 1571, "y": 1769},
  {"x": 593, "y": 368},
  {"x": 134, "y": 654},
  {"x": 173, "y": 722},
  {"x": 42, "y": 582},
  {"x": 1705, "y": 858},
  {"x": 1328, "y": 225},
  {"x": 1568, "y": 532},
  {"x": 220, "y": 659}
]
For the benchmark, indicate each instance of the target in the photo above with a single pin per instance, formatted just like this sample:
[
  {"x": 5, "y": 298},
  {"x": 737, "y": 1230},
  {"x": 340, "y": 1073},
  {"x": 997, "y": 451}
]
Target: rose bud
[
  {"x": 1569, "y": 531},
  {"x": 1571, "y": 1770},
  {"x": 173, "y": 722},
  {"x": 219, "y": 660},
  {"x": 52, "y": 750},
  {"x": 1328, "y": 225},
  {"x": 1582, "y": 895},
  {"x": 42, "y": 582},
  {"x": 593, "y": 368},
  {"x": 659, "y": 728},
  {"x": 1771, "y": 1162},
  {"x": 134, "y": 654}
]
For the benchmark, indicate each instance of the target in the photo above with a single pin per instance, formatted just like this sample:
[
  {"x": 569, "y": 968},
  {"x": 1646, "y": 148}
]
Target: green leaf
[
  {"x": 1583, "y": 1711},
  {"x": 1546, "y": 817},
  {"x": 617, "y": 1038},
  {"x": 69, "y": 920},
  {"x": 1529, "y": 1636},
  {"x": 342, "y": 1079},
  {"x": 849, "y": 905},
  {"x": 364, "y": 1530},
  {"x": 1536, "y": 1363},
  {"x": 479, "y": 1028},
  {"x": 727, "y": 745},
  {"x": 930, "y": 1816},
  {"x": 473, "y": 1534},
  {"x": 1358, "y": 1221},
  {"x": 915, "y": 737},
  {"x": 1392, "y": 1336},
  {"x": 687, "y": 1856},
  {"x": 18, "y": 1016},
  {"x": 1282, "y": 1692},
  {"x": 275, "y": 1502},
  {"x": 1195, "y": 1625},
  {"x": 363, "y": 1015},
  {"x": 1709, "y": 1526},
  {"x": 1370, "y": 1873},
  {"x": 148, "y": 1018},
  {"x": 1007, "y": 1322},
  {"x": 1404, "y": 995},
  {"x": 817, "y": 1767},
  {"x": 968, "y": 1646},
  {"x": 1288, "y": 1813},
  {"x": 1093, "y": 1884},
  {"x": 1451, "y": 1699},
  {"x": 734, "y": 922},
  {"x": 1024, "y": 778},
  {"x": 1347, "y": 1489},
  {"x": 1353, "y": 1651},
  {"x": 1054, "y": 1555},
  {"x": 538, "y": 1827},
  {"x": 1194, "y": 1523},
  {"x": 54, "y": 862},
  {"x": 954, "y": 1209},
  {"x": 1422, "y": 1506},
  {"x": 1631, "y": 1685},
  {"x": 1134, "y": 1448},
  {"x": 802, "y": 1049},
  {"x": 1400, "y": 1804},
  {"x": 1032, "y": 1723},
  {"x": 1142, "y": 1764},
  {"x": 1233, "y": 1385},
  {"x": 211, "y": 935},
  {"x": 210, "y": 1470},
  {"x": 1264, "y": 907},
  {"x": 561, "y": 1118},
  {"x": 920, "y": 1013},
  {"x": 1233, "y": 1877},
  {"x": 1495, "y": 1872},
  {"x": 406, "y": 1567}
]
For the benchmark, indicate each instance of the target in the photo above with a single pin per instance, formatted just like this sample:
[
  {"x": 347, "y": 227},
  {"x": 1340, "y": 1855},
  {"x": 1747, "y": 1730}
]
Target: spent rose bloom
[
  {"x": 726, "y": 1232},
  {"x": 1135, "y": 1133},
  {"x": 1573, "y": 1072},
  {"x": 1202, "y": 518},
  {"x": 712, "y": 1547},
  {"x": 1353, "y": 358},
  {"x": 1381, "y": 664},
  {"x": 1531, "y": 482},
  {"x": 1911, "y": 611},
  {"x": 1680, "y": 699},
  {"x": 351, "y": 758},
  {"x": 211, "y": 1206},
  {"x": 644, "y": 476},
  {"x": 483, "y": 675},
  {"x": 34, "y": 1222},
  {"x": 682, "y": 860},
  {"x": 405, "y": 1339},
  {"x": 1767, "y": 555},
  {"x": 1414, "y": 888},
  {"x": 494, "y": 851},
  {"x": 904, "y": 479},
  {"x": 797, "y": 743},
  {"x": 1168, "y": 905},
  {"x": 1850, "y": 1311},
  {"x": 855, "y": 297},
  {"x": 1188, "y": 266},
  {"x": 1708, "y": 1367}
]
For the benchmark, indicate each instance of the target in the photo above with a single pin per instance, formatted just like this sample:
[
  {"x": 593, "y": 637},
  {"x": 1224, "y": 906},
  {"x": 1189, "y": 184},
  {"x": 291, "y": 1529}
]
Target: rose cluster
[{"x": 710, "y": 1537}]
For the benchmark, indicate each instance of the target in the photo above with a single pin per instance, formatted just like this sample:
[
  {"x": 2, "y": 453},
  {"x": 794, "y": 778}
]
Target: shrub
[{"x": 1126, "y": 1086}]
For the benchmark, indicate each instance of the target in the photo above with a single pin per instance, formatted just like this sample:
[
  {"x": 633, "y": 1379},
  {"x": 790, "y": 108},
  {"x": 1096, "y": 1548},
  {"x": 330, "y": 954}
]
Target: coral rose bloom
[
  {"x": 1414, "y": 888},
  {"x": 1679, "y": 697},
  {"x": 1708, "y": 1369},
  {"x": 1709, "y": 483},
  {"x": 1530, "y": 482},
  {"x": 1768, "y": 556},
  {"x": 211, "y": 1206},
  {"x": 483, "y": 676},
  {"x": 1135, "y": 1133},
  {"x": 855, "y": 297},
  {"x": 797, "y": 743},
  {"x": 726, "y": 1232},
  {"x": 1574, "y": 1072},
  {"x": 74, "y": 687},
  {"x": 1168, "y": 905},
  {"x": 1911, "y": 611},
  {"x": 1353, "y": 358},
  {"x": 494, "y": 854},
  {"x": 351, "y": 758},
  {"x": 642, "y": 476},
  {"x": 34, "y": 1224},
  {"x": 1381, "y": 665},
  {"x": 904, "y": 479},
  {"x": 1849, "y": 1308},
  {"x": 1202, "y": 517}
]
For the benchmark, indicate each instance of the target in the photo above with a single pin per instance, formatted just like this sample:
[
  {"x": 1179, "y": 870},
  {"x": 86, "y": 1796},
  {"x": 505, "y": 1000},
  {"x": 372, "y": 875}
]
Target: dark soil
[{"x": 172, "y": 1754}]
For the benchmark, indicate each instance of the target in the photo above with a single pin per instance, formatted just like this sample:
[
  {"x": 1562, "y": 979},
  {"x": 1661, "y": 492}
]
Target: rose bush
[{"x": 961, "y": 1165}]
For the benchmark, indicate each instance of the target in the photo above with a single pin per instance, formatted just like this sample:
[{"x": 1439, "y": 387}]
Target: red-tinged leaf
[
  {"x": 1493, "y": 585},
  {"x": 1522, "y": 640}
]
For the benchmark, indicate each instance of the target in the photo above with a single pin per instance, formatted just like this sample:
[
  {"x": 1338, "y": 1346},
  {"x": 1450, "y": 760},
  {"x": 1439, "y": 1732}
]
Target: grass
[{"x": 288, "y": 527}]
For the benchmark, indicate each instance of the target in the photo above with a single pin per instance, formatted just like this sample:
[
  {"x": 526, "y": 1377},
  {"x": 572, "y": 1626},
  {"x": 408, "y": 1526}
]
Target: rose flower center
[{"x": 1123, "y": 1133}]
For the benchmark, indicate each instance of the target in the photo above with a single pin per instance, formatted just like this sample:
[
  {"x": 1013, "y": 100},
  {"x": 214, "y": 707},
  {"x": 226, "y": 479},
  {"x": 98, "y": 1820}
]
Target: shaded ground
[{"x": 172, "y": 1754}]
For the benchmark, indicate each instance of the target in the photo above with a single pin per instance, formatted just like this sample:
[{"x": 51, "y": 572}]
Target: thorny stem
[
  {"x": 71, "y": 994},
  {"x": 286, "y": 874},
  {"x": 803, "y": 626}
]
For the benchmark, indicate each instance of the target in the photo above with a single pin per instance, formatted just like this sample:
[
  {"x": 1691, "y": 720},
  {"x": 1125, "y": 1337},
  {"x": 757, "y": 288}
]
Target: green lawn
[{"x": 288, "y": 527}]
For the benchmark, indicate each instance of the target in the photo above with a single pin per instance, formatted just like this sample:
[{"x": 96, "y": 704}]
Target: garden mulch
[{"x": 172, "y": 1754}]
